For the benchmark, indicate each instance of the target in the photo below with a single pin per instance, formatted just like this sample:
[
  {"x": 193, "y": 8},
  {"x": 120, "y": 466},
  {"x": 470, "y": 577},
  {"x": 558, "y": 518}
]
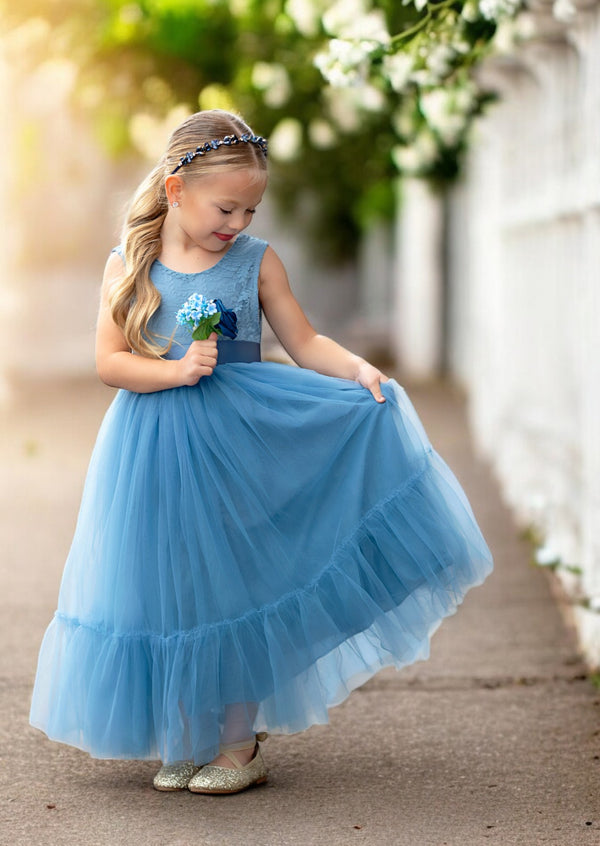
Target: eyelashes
[{"x": 229, "y": 211}]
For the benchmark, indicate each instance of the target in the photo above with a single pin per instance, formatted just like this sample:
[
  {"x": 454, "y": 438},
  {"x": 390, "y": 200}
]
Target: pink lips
[{"x": 223, "y": 237}]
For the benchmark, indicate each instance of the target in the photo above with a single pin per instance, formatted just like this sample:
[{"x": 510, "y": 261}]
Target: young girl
[{"x": 255, "y": 540}]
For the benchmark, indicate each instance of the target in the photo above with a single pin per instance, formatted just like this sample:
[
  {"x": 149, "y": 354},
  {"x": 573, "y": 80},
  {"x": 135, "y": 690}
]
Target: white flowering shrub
[
  {"x": 420, "y": 59},
  {"x": 350, "y": 93}
]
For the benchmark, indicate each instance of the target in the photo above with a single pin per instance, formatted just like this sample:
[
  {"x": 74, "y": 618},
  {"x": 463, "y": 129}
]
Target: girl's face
[{"x": 214, "y": 209}]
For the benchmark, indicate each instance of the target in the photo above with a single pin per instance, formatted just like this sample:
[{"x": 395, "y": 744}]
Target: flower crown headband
[{"x": 226, "y": 141}]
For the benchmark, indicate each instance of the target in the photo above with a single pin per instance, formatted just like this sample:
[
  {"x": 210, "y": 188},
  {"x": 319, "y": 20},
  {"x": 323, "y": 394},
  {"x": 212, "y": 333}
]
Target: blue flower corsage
[{"x": 202, "y": 317}]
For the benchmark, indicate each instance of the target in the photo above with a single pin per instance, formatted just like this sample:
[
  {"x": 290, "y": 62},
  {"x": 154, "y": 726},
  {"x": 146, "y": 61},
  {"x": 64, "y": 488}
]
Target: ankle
[{"x": 238, "y": 746}]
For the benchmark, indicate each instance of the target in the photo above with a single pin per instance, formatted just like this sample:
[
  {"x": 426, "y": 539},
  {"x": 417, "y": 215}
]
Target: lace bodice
[{"x": 234, "y": 280}]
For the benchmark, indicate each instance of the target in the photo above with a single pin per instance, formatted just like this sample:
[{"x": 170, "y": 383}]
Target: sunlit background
[
  {"x": 93, "y": 88},
  {"x": 435, "y": 194}
]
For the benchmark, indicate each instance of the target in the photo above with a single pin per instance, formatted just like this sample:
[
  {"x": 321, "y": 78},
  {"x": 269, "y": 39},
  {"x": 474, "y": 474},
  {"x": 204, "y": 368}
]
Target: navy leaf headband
[{"x": 226, "y": 141}]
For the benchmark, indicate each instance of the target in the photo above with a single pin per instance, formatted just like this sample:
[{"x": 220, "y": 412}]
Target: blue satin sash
[{"x": 233, "y": 351}]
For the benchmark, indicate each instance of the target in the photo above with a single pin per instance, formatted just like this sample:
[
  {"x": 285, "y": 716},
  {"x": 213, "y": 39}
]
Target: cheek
[{"x": 201, "y": 216}]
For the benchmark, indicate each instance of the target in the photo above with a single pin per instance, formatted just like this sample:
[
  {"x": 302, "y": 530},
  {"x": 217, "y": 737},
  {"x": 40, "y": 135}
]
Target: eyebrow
[{"x": 234, "y": 203}]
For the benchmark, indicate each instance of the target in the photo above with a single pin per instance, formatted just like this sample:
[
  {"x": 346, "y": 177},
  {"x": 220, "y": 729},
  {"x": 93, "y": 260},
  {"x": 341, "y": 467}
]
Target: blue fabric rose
[{"x": 228, "y": 322}]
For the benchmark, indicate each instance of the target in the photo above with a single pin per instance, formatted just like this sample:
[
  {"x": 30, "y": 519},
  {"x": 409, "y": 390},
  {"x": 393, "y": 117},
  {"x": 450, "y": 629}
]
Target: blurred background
[{"x": 434, "y": 194}]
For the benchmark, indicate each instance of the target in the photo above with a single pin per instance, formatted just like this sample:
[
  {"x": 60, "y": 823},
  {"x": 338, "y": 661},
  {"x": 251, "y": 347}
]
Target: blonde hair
[{"x": 134, "y": 299}]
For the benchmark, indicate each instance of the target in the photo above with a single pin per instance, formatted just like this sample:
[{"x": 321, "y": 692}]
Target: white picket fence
[
  {"x": 518, "y": 314},
  {"x": 524, "y": 296}
]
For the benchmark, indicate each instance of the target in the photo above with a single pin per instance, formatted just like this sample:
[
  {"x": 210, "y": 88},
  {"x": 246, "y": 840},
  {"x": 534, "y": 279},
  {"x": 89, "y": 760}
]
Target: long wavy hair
[{"x": 134, "y": 299}]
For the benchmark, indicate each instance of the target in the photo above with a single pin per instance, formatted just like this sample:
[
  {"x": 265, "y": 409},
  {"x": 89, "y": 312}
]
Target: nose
[{"x": 239, "y": 220}]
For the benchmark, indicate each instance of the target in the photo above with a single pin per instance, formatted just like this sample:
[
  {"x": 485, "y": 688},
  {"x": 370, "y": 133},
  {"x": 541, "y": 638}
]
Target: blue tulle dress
[{"x": 248, "y": 550}]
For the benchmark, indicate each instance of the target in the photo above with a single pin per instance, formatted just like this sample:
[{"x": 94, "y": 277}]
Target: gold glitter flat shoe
[
  {"x": 175, "y": 776},
  {"x": 213, "y": 779}
]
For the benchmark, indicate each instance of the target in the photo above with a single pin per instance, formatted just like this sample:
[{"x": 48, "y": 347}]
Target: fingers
[
  {"x": 200, "y": 359},
  {"x": 370, "y": 378},
  {"x": 208, "y": 347},
  {"x": 204, "y": 352},
  {"x": 372, "y": 385},
  {"x": 376, "y": 388},
  {"x": 376, "y": 391}
]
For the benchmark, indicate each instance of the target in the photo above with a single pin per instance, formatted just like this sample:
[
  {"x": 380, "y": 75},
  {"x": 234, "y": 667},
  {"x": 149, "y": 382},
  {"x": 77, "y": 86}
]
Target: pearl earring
[{"x": 175, "y": 204}]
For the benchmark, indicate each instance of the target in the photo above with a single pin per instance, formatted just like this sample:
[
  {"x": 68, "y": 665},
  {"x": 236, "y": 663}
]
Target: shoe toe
[
  {"x": 212, "y": 779},
  {"x": 175, "y": 776}
]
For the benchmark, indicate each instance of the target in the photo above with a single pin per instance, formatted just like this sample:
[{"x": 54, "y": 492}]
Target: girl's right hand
[{"x": 200, "y": 360}]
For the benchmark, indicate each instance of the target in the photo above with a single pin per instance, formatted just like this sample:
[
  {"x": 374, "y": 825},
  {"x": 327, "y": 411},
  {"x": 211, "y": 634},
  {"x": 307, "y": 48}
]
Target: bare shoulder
[
  {"x": 114, "y": 270},
  {"x": 114, "y": 265}
]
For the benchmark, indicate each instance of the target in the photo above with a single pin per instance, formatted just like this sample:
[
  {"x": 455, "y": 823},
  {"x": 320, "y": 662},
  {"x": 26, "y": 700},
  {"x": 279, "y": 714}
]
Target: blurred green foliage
[{"x": 150, "y": 56}]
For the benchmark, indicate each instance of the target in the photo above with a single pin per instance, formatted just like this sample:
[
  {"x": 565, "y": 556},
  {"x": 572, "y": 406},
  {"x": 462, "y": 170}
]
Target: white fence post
[
  {"x": 525, "y": 297},
  {"x": 418, "y": 307}
]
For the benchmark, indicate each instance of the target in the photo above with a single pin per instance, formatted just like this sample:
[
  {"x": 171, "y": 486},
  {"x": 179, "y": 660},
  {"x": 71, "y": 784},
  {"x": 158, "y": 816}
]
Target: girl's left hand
[{"x": 370, "y": 378}]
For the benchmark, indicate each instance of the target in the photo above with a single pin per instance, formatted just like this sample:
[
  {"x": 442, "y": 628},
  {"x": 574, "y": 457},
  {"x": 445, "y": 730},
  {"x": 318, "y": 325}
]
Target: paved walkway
[{"x": 496, "y": 739}]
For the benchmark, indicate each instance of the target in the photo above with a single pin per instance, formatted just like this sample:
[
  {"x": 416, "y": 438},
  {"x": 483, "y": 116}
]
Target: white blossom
[
  {"x": 461, "y": 46},
  {"x": 470, "y": 11},
  {"x": 345, "y": 62},
  {"x": 396, "y": 69},
  {"x": 446, "y": 111},
  {"x": 352, "y": 19},
  {"x": 423, "y": 78},
  {"x": 435, "y": 105},
  {"x": 546, "y": 556},
  {"x": 370, "y": 98},
  {"x": 464, "y": 98},
  {"x": 526, "y": 25},
  {"x": 417, "y": 157},
  {"x": 273, "y": 80},
  {"x": 321, "y": 134},
  {"x": 506, "y": 37},
  {"x": 285, "y": 141},
  {"x": 343, "y": 13},
  {"x": 493, "y": 10},
  {"x": 306, "y": 15},
  {"x": 346, "y": 106},
  {"x": 439, "y": 61},
  {"x": 564, "y": 11},
  {"x": 343, "y": 108},
  {"x": 451, "y": 129},
  {"x": 405, "y": 159},
  {"x": 371, "y": 27}
]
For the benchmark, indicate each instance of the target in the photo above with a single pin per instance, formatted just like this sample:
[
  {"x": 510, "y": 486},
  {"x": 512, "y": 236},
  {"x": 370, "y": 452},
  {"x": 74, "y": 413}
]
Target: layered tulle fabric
[{"x": 248, "y": 551}]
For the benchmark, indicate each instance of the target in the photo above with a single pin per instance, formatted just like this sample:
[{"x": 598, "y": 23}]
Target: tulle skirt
[{"x": 248, "y": 551}]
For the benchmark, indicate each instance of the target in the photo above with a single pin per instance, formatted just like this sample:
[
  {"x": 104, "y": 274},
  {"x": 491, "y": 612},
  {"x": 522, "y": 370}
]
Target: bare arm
[
  {"x": 118, "y": 367},
  {"x": 306, "y": 347}
]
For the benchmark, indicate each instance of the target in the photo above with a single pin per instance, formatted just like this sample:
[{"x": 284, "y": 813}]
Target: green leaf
[{"x": 206, "y": 327}]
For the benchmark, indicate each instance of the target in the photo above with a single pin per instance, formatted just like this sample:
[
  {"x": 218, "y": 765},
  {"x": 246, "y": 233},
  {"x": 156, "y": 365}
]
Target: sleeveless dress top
[
  {"x": 248, "y": 550},
  {"x": 233, "y": 279}
]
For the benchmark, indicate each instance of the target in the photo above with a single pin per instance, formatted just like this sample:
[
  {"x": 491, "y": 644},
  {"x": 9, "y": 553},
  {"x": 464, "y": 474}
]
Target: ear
[{"x": 174, "y": 188}]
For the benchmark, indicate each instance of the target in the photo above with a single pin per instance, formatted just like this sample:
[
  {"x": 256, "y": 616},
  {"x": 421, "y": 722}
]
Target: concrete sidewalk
[{"x": 496, "y": 739}]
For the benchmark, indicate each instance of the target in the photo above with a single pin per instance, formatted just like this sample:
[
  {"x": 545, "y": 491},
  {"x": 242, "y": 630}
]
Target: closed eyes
[{"x": 230, "y": 211}]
